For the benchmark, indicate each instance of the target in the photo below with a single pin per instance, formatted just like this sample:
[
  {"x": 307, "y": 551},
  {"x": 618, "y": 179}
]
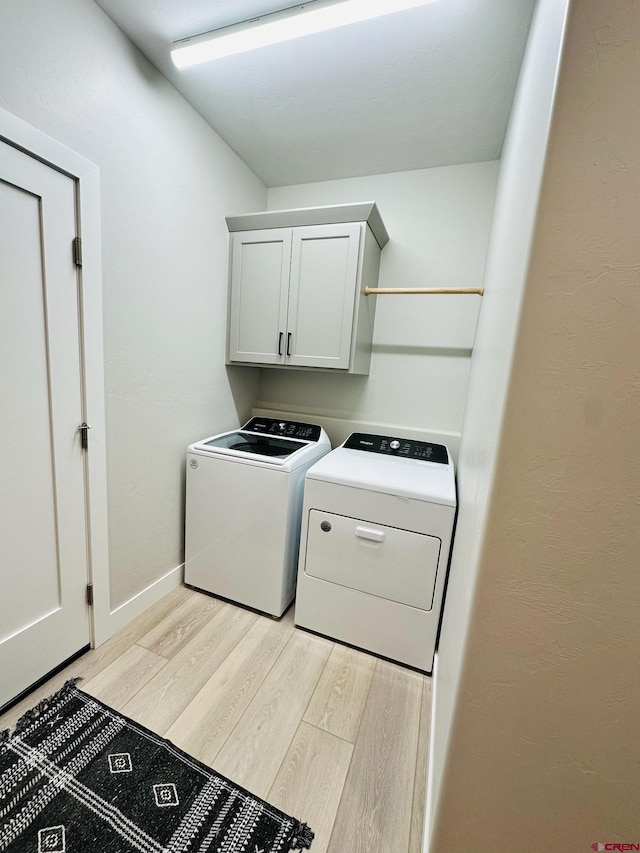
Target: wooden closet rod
[{"x": 370, "y": 291}]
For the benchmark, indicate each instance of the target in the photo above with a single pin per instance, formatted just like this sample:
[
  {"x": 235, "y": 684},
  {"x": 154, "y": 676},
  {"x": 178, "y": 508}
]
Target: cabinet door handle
[
  {"x": 288, "y": 343},
  {"x": 280, "y": 343}
]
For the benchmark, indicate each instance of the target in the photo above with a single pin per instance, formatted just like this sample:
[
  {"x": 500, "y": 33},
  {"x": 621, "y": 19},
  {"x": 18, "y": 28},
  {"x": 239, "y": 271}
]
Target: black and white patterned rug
[{"x": 77, "y": 777}]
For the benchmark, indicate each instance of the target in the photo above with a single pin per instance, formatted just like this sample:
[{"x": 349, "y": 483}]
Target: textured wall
[
  {"x": 167, "y": 183},
  {"x": 438, "y": 222},
  {"x": 544, "y": 752}
]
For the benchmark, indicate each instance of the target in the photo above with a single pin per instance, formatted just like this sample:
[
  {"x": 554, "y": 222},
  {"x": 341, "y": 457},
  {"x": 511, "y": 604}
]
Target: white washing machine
[
  {"x": 377, "y": 528},
  {"x": 243, "y": 507}
]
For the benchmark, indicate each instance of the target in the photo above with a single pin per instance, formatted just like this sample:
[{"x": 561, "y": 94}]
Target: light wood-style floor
[{"x": 331, "y": 735}]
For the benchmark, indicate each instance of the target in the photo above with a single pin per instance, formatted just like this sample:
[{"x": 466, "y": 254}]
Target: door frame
[{"x": 19, "y": 134}]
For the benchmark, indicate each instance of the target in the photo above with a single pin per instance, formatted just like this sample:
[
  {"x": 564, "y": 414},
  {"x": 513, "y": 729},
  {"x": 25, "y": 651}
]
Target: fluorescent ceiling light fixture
[{"x": 305, "y": 19}]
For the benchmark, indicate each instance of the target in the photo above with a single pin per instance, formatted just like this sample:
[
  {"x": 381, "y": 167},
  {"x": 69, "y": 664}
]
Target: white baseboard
[
  {"x": 129, "y": 610},
  {"x": 428, "y": 811},
  {"x": 338, "y": 429}
]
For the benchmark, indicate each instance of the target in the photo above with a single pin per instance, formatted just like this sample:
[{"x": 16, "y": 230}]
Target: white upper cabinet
[{"x": 297, "y": 291}]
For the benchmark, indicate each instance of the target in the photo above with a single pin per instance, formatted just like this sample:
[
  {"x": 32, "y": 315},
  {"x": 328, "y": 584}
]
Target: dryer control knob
[
  {"x": 325, "y": 526},
  {"x": 395, "y": 444}
]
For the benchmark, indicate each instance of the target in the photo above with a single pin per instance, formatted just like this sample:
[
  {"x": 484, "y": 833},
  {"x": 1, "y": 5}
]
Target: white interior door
[{"x": 43, "y": 549}]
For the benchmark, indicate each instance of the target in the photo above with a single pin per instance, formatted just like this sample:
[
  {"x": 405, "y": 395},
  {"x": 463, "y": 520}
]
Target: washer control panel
[
  {"x": 286, "y": 429},
  {"x": 407, "y": 448}
]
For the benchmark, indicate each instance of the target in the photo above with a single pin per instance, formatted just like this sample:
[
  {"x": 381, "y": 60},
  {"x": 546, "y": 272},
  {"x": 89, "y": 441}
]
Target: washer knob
[{"x": 395, "y": 444}]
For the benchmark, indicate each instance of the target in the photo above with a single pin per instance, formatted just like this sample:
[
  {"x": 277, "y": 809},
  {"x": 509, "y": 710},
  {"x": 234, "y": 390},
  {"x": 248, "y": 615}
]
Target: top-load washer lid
[
  {"x": 398, "y": 466},
  {"x": 260, "y": 445},
  {"x": 269, "y": 441}
]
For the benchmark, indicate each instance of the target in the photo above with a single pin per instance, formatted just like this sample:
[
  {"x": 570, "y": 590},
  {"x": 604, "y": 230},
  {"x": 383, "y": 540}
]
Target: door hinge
[
  {"x": 84, "y": 435},
  {"x": 77, "y": 251},
  {"x": 90, "y": 594}
]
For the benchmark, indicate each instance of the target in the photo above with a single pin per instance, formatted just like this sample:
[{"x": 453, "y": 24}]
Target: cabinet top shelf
[{"x": 365, "y": 211}]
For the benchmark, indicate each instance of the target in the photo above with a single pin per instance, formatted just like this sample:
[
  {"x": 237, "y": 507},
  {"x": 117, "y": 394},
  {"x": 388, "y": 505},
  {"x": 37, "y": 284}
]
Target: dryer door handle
[{"x": 370, "y": 534}]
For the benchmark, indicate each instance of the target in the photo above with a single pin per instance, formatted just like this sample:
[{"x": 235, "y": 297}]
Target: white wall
[
  {"x": 438, "y": 222},
  {"x": 167, "y": 183},
  {"x": 535, "y": 727}
]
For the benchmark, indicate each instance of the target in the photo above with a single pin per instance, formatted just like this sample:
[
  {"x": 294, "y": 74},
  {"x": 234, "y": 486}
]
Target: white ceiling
[{"x": 426, "y": 87}]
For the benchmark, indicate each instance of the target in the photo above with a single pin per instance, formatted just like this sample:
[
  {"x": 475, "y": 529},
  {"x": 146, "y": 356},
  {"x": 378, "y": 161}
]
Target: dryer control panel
[
  {"x": 408, "y": 448},
  {"x": 286, "y": 429}
]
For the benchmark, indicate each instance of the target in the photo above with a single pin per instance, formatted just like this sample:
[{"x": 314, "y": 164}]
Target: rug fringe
[
  {"x": 29, "y": 717},
  {"x": 302, "y": 838}
]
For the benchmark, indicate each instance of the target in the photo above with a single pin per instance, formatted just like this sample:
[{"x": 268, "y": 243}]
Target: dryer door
[{"x": 384, "y": 561}]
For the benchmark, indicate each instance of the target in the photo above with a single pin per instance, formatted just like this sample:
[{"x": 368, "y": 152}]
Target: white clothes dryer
[
  {"x": 377, "y": 527},
  {"x": 243, "y": 508}
]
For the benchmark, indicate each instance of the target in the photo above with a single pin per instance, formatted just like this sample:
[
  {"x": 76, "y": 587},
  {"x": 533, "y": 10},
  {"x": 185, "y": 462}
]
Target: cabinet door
[
  {"x": 259, "y": 290},
  {"x": 324, "y": 273}
]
